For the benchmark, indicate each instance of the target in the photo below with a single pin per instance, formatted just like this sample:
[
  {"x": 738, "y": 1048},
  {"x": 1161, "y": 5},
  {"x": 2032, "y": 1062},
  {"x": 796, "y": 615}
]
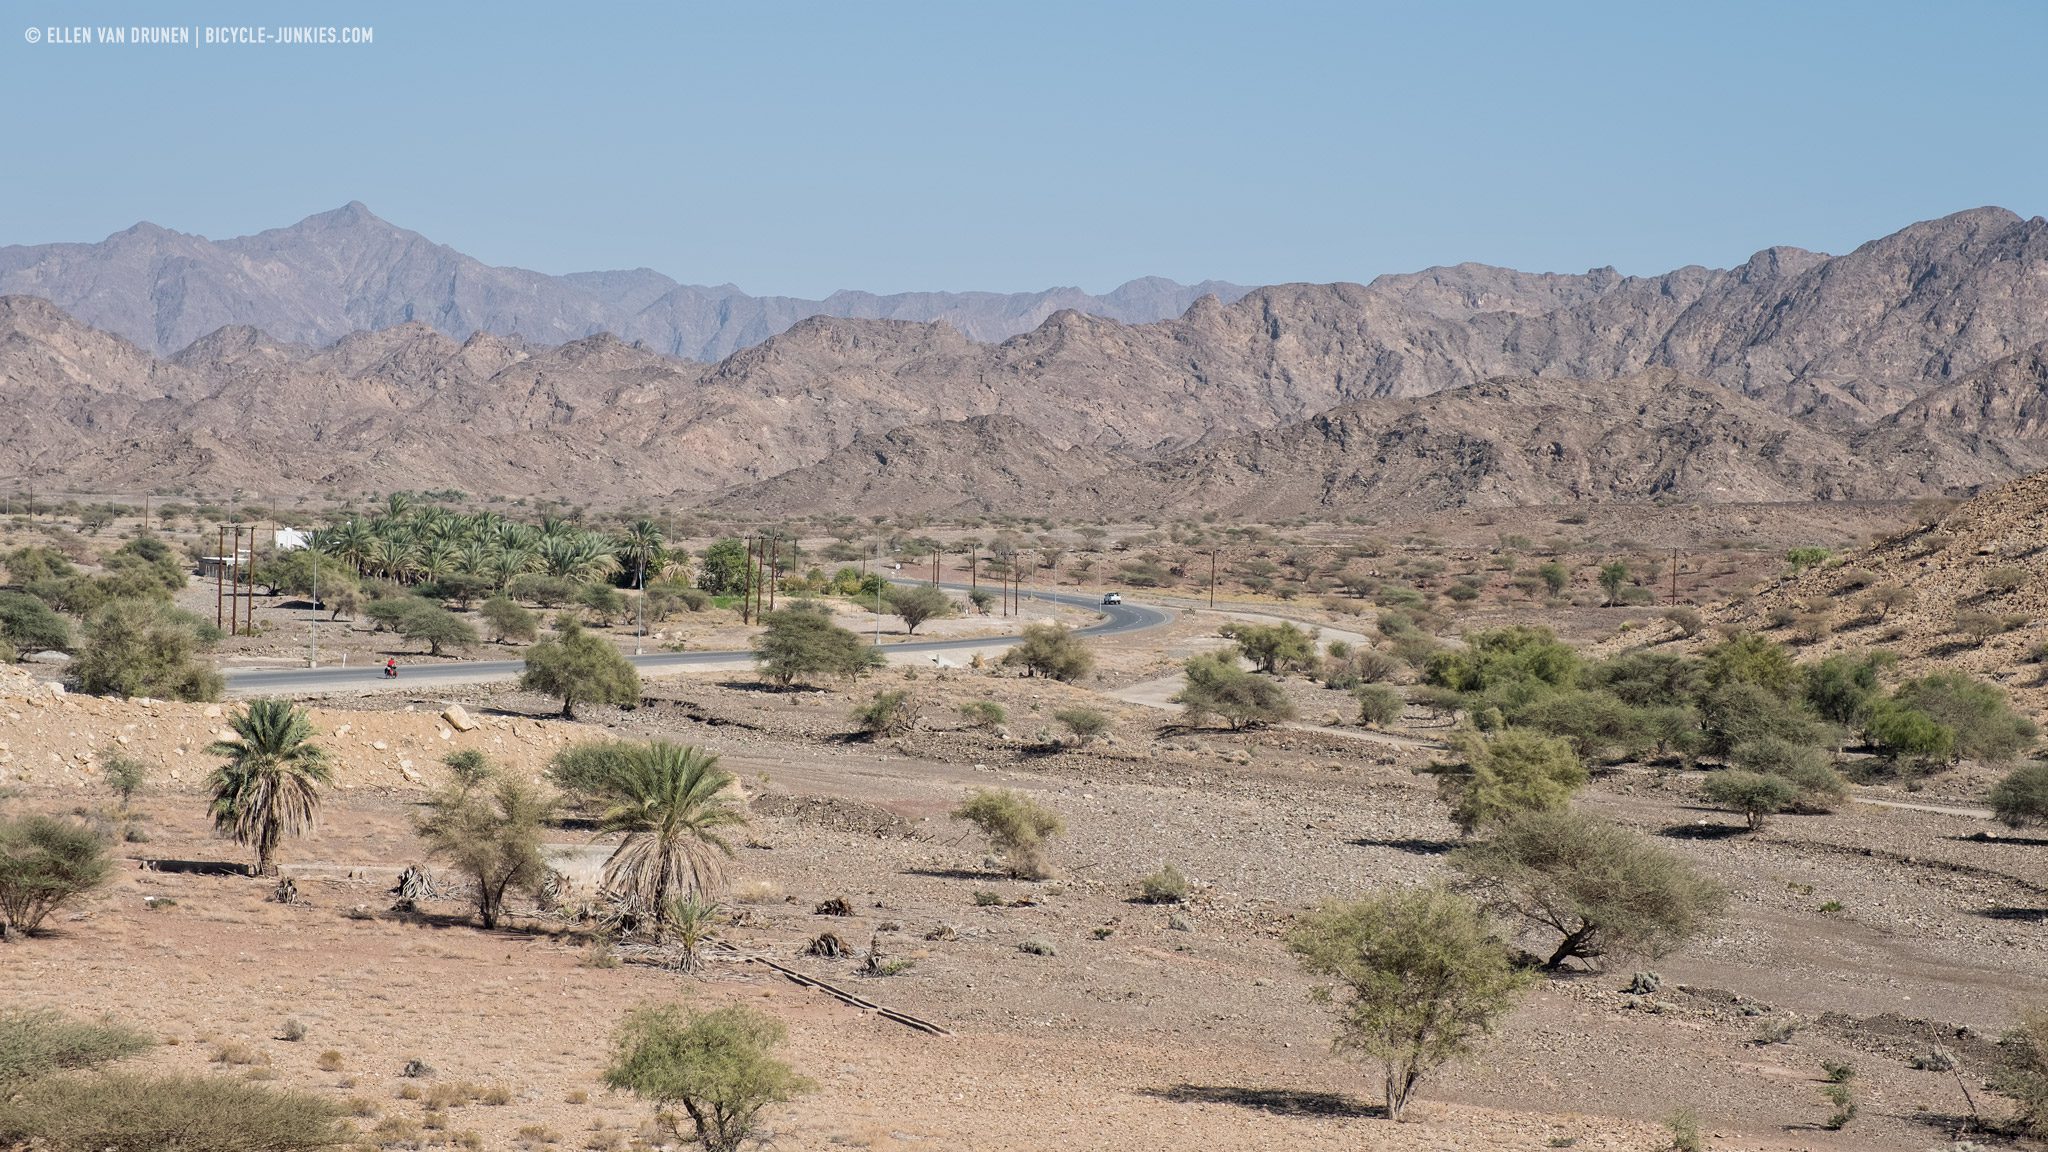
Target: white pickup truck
[{"x": 1113, "y": 598}]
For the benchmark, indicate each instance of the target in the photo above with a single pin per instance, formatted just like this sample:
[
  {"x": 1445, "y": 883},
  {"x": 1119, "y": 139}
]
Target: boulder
[{"x": 459, "y": 718}]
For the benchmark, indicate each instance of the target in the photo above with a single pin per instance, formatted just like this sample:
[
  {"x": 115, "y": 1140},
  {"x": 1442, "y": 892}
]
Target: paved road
[{"x": 1117, "y": 619}]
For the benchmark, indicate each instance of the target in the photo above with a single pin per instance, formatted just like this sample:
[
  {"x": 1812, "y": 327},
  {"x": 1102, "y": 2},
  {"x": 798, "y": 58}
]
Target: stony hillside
[
  {"x": 1508, "y": 443},
  {"x": 1910, "y": 365},
  {"x": 346, "y": 271},
  {"x": 1968, "y": 591},
  {"x": 999, "y": 462}
]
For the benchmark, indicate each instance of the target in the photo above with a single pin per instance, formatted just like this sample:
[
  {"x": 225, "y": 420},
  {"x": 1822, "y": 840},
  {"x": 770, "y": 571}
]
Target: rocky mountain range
[
  {"x": 347, "y": 271},
  {"x": 1916, "y": 364}
]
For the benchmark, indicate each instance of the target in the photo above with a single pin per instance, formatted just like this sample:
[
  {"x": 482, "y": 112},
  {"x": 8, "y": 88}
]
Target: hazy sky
[{"x": 799, "y": 148}]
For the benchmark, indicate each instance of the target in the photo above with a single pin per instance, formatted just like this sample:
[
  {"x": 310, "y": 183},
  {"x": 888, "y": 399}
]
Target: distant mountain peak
[{"x": 348, "y": 269}]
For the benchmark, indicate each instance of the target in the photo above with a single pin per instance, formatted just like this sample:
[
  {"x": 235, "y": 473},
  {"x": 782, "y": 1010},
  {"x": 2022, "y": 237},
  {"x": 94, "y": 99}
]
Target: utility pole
[
  {"x": 315, "y": 631},
  {"x": 774, "y": 566},
  {"x": 1212, "y": 577},
  {"x": 220, "y": 536},
  {"x": 251, "y": 577},
  {"x": 974, "y": 570},
  {"x": 878, "y": 595},
  {"x": 1674, "y": 577},
  {"x": 747, "y": 585}
]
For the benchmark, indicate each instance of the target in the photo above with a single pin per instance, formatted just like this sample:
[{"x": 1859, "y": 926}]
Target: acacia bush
[
  {"x": 588, "y": 772},
  {"x": 1216, "y": 686},
  {"x": 46, "y": 862},
  {"x": 1816, "y": 786},
  {"x": 1084, "y": 723},
  {"x": 802, "y": 642},
  {"x": 1500, "y": 774},
  {"x": 718, "y": 1065},
  {"x": 2023, "y": 1071},
  {"x": 577, "y": 666},
  {"x": 2021, "y": 799},
  {"x": 509, "y": 621},
  {"x": 1604, "y": 890},
  {"x": 147, "y": 648},
  {"x": 28, "y": 624},
  {"x": 1985, "y": 726},
  {"x": 1419, "y": 978},
  {"x": 1051, "y": 651},
  {"x": 1754, "y": 794},
  {"x": 1017, "y": 827},
  {"x": 1378, "y": 705},
  {"x": 1275, "y": 648},
  {"x": 488, "y": 826},
  {"x": 918, "y": 603}
]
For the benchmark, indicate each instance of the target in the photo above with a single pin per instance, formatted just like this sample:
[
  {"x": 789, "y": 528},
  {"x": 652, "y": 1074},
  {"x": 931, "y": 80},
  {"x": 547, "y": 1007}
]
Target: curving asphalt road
[{"x": 1117, "y": 619}]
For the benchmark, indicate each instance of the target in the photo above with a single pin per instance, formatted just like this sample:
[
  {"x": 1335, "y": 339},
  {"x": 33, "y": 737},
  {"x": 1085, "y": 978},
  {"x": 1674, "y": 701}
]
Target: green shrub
[
  {"x": 29, "y": 625},
  {"x": 1216, "y": 686},
  {"x": 36, "y": 1043},
  {"x": 801, "y": 643},
  {"x": 577, "y": 666},
  {"x": 1902, "y": 734},
  {"x": 719, "y": 1065},
  {"x": 1817, "y": 786},
  {"x": 147, "y": 648},
  {"x": 1420, "y": 979},
  {"x": 1166, "y": 886},
  {"x": 1748, "y": 658},
  {"x": 1599, "y": 726},
  {"x": 1378, "y": 705},
  {"x": 588, "y": 772},
  {"x": 1085, "y": 723},
  {"x": 1604, "y": 890},
  {"x": 983, "y": 714},
  {"x": 2021, "y": 798},
  {"x": 1985, "y": 726},
  {"x": 892, "y": 713},
  {"x": 918, "y": 603},
  {"x": 1016, "y": 826},
  {"x": 45, "y": 862},
  {"x": 1754, "y": 794},
  {"x": 1649, "y": 679},
  {"x": 538, "y": 588},
  {"x": 436, "y": 627},
  {"x": 1739, "y": 712},
  {"x": 489, "y": 829},
  {"x": 2023, "y": 1072},
  {"x": 1275, "y": 648},
  {"x": 1051, "y": 651},
  {"x": 509, "y": 621},
  {"x": 1503, "y": 773},
  {"x": 127, "y": 1113}
]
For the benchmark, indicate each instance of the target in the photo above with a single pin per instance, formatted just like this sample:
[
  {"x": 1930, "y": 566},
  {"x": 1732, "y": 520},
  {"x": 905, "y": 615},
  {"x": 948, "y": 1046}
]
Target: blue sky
[{"x": 797, "y": 148}]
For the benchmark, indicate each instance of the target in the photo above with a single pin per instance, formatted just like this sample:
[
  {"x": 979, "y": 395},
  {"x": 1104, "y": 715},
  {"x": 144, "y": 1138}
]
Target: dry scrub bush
[
  {"x": 1604, "y": 890},
  {"x": 891, "y": 713},
  {"x": 39, "y": 1043},
  {"x": 129, "y": 1113},
  {"x": 1166, "y": 886},
  {"x": 45, "y": 862},
  {"x": 1419, "y": 976},
  {"x": 718, "y": 1065},
  {"x": 1016, "y": 827}
]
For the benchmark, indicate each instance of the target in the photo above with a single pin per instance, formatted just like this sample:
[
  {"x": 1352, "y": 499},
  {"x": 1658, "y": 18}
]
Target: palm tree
[
  {"x": 643, "y": 549},
  {"x": 670, "y": 800},
  {"x": 270, "y": 786}
]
